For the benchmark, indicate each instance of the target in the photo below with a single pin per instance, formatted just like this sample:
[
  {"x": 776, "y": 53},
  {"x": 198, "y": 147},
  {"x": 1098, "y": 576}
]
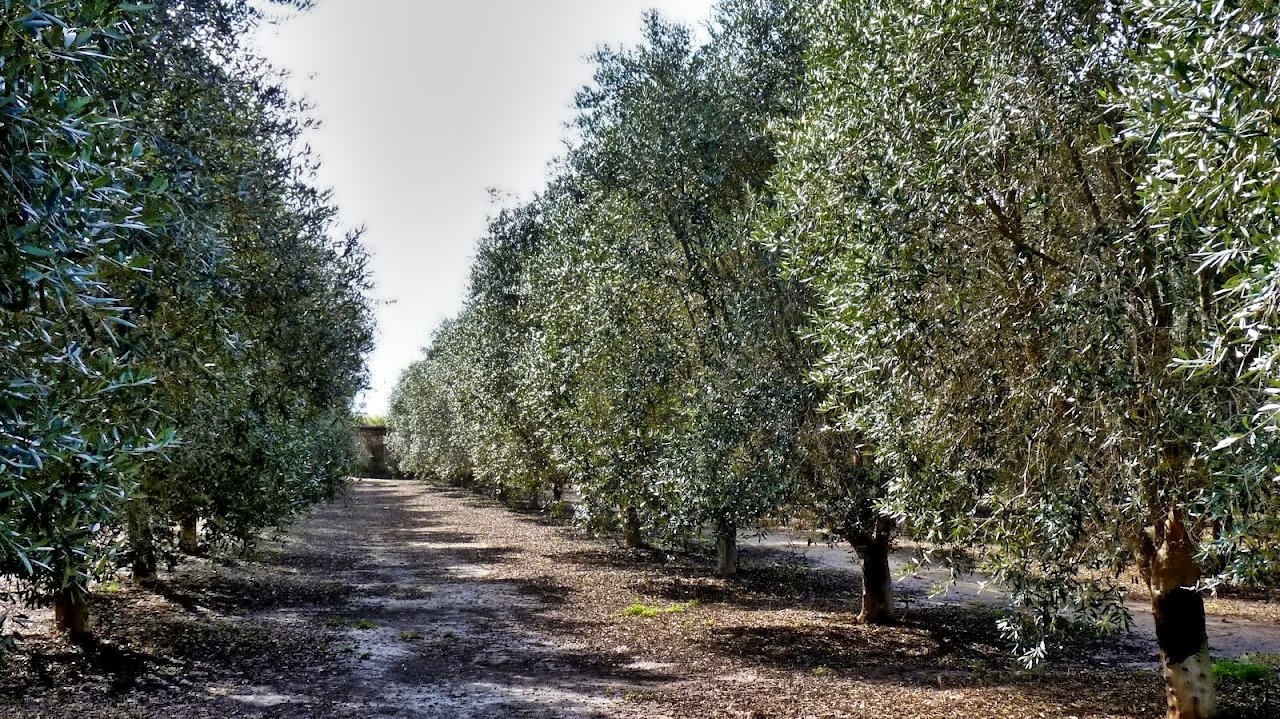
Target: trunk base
[
  {"x": 71, "y": 615},
  {"x": 143, "y": 561},
  {"x": 144, "y": 570},
  {"x": 188, "y": 539},
  {"x": 631, "y": 535},
  {"x": 1171, "y": 572},
  {"x": 1189, "y": 687},
  {"x": 877, "y": 583},
  {"x": 727, "y": 555}
]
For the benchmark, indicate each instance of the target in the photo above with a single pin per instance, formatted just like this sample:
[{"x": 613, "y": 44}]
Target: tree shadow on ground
[
  {"x": 153, "y": 655},
  {"x": 224, "y": 591},
  {"x": 767, "y": 578}
]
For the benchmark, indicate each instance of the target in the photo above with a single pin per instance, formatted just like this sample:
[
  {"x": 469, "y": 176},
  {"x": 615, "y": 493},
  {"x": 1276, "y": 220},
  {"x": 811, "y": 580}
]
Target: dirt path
[
  {"x": 453, "y": 613},
  {"x": 408, "y": 601}
]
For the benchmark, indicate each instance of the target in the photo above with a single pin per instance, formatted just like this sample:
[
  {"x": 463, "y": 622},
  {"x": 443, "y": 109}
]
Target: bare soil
[{"x": 410, "y": 601}]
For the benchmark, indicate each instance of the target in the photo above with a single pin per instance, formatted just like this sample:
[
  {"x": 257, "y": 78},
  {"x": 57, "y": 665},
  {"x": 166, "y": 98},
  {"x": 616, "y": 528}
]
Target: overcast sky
[{"x": 426, "y": 104}]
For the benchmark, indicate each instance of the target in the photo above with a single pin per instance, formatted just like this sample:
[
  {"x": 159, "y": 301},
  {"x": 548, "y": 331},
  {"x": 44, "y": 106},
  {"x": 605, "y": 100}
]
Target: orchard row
[
  {"x": 999, "y": 275},
  {"x": 181, "y": 326}
]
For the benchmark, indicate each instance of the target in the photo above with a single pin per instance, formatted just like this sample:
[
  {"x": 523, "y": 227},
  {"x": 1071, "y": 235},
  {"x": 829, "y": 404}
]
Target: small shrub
[
  {"x": 1243, "y": 670},
  {"x": 334, "y": 622},
  {"x": 409, "y": 635},
  {"x": 821, "y": 671},
  {"x": 363, "y": 624}
]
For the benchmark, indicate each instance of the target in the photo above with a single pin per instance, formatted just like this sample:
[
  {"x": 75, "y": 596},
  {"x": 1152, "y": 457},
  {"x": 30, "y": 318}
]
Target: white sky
[{"x": 426, "y": 104}]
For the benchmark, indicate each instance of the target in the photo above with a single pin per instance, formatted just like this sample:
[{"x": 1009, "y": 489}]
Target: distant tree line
[{"x": 181, "y": 323}]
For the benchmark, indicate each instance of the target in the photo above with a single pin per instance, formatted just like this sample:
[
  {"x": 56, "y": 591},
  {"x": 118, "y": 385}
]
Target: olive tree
[
  {"x": 676, "y": 142},
  {"x": 1002, "y": 314}
]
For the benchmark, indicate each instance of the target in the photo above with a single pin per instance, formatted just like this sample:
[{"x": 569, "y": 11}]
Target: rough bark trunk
[
  {"x": 144, "y": 548},
  {"x": 557, "y": 491},
  {"x": 1171, "y": 573},
  {"x": 631, "y": 536},
  {"x": 727, "y": 552},
  {"x": 71, "y": 614},
  {"x": 877, "y": 582},
  {"x": 188, "y": 538}
]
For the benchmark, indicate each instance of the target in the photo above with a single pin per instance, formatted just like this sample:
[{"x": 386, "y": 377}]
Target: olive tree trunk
[
  {"x": 71, "y": 614},
  {"x": 727, "y": 551},
  {"x": 142, "y": 542},
  {"x": 877, "y": 581},
  {"x": 188, "y": 538},
  {"x": 1171, "y": 572},
  {"x": 631, "y": 536}
]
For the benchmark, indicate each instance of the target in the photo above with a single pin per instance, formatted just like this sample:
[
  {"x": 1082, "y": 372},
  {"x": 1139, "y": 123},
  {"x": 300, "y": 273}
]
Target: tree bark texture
[
  {"x": 877, "y": 581},
  {"x": 1171, "y": 573}
]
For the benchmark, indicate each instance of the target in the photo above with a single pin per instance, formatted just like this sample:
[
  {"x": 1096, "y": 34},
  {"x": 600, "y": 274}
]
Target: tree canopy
[{"x": 183, "y": 324}]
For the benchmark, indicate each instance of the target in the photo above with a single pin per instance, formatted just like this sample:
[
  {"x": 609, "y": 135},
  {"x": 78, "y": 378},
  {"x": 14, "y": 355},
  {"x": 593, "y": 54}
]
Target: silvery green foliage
[
  {"x": 167, "y": 267},
  {"x": 259, "y": 317},
  {"x": 1000, "y": 310},
  {"x": 424, "y": 421},
  {"x": 626, "y": 332},
  {"x": 1201, "y": 98},
  {"x": 76, "y": 406}
]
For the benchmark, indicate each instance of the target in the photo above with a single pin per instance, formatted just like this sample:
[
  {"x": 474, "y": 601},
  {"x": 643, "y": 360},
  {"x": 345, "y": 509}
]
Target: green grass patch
[
  {"x": 363, "y": 624},
  {"x": 1245, "y": 670},
  {"x": 640, "y": 609},
  {"x": 409, "y": 635}
]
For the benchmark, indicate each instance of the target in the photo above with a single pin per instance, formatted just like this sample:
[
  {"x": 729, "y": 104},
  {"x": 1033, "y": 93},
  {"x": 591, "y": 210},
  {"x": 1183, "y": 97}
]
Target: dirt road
[{"x": 407, "y": 601}]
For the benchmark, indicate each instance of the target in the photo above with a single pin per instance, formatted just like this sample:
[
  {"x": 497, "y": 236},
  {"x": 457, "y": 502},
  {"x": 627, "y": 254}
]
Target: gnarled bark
[
  {"x": 877, "y": 581},
  {"x": 1171, "y": 573}
]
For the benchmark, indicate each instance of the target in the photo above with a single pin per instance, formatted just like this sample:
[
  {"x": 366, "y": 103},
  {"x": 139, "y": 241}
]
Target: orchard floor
[{"x": 410, "y": 601}]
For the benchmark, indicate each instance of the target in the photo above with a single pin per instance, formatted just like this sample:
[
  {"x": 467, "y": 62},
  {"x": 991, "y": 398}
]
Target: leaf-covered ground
[{"x": 404, "y": 600}]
